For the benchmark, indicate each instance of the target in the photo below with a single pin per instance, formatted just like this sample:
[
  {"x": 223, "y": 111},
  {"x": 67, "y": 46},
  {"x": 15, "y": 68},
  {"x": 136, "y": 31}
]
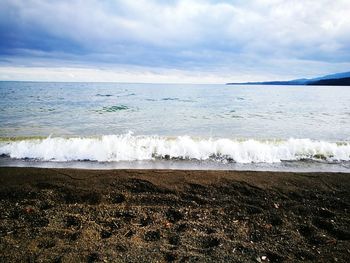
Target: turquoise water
[
  {"x": 85, "y": 109},
  {"x": 238, "y": 124}
]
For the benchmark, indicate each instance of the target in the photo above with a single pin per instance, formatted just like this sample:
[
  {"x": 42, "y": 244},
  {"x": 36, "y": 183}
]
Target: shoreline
[
  {"x": 130, "y": 215},
  {"x": 184, "y": 165}
]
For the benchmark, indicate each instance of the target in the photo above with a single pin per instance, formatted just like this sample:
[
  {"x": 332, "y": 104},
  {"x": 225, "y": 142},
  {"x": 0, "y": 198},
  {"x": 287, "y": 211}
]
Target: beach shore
[{"x": 70, "y": 215}]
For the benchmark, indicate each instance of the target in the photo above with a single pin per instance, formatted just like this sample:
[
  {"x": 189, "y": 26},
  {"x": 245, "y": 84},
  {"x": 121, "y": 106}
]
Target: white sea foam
[{"x": 128, "y": 147}]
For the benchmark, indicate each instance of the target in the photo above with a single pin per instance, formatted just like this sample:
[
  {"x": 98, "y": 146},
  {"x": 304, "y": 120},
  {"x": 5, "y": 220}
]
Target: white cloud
[
  {"x": 134, "y": 75},
  {"x": 273, "y": 70},
  {"x": 192, "y": 35}
]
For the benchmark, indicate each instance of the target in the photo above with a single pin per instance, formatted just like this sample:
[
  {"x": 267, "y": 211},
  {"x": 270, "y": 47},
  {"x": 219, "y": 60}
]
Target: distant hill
[
  {"x": 338, "y": 79},
  {"x": 334, "y": 76},
  {"x": 331, "y": 82}
]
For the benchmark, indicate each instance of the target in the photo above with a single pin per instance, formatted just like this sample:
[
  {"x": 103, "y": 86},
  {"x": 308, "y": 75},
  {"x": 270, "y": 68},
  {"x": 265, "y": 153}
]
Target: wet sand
[{"x": 68, "y": 215}]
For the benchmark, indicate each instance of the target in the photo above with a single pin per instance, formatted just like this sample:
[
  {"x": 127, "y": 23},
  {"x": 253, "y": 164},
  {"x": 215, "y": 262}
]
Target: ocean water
[{"x": 114, "y": 125}]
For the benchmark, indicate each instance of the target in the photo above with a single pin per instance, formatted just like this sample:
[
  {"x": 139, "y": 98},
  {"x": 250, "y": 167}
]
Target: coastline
[{"x": 70, "y": 215}]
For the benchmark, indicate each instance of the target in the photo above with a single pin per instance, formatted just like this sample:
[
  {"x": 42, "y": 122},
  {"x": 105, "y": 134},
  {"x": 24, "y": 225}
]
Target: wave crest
[{"x": 127, "y": 147}]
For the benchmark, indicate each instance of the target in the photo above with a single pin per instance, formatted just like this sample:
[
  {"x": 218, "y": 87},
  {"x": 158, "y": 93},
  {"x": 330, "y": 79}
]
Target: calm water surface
[{"x": 84, "y": 109}]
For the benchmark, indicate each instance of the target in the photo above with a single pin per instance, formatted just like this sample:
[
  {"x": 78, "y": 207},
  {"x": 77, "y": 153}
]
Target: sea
[{"x": 175, "y": 126}]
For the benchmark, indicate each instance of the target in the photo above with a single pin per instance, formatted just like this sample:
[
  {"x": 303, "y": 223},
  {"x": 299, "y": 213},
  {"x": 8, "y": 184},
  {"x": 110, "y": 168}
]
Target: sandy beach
[{"x": 67, "y": 215}]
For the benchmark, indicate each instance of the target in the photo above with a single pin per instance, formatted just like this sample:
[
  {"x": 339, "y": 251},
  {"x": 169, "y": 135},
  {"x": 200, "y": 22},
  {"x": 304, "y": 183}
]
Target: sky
[{"x": 174, "y": 41}]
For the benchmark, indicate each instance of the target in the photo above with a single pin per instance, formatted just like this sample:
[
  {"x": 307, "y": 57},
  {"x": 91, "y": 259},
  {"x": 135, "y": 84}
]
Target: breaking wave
[{"x": 127, "y": 147}]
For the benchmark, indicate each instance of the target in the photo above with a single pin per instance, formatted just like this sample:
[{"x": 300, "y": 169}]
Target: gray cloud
[{"x": 211, "y": 36}]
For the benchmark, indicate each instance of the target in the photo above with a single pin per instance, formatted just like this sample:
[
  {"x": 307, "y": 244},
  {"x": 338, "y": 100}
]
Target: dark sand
[{"x": 66, "y": 215}]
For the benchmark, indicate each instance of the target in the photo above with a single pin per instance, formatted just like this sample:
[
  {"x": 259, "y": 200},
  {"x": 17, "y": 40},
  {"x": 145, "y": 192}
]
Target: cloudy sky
[{"x": 208, "y": 41}]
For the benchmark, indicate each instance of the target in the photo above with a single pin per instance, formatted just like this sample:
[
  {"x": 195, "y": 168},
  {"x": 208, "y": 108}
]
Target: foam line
[{"x": 128, "y": 147}]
